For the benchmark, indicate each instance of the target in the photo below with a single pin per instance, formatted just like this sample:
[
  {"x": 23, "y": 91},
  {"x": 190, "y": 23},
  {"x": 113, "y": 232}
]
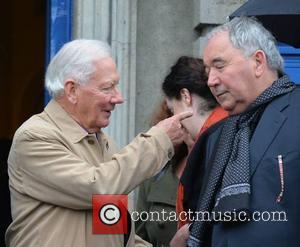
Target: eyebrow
[
  {"x": 111, "y": 82},
  {"x": 217, "y": 60}
]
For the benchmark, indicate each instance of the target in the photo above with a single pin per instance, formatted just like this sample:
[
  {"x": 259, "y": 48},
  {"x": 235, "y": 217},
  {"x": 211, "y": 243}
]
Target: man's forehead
[
  {"x": 214, "y": 57},
  {"x": 216, "y": 48}
]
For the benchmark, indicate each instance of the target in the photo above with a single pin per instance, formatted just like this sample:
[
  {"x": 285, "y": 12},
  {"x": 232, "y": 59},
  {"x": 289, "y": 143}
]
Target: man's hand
[
  {"x": 173, "y": 127},
  {"x": 181, "y": 237}
]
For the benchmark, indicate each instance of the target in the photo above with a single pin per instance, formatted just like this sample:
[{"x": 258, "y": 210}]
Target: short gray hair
[
  {"x": 74, "y": 60},
  {"x": 249, "y": 35}
]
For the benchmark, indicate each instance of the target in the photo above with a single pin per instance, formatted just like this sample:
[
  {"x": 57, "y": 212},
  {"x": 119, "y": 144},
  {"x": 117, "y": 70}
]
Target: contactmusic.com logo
[{"x": 110, "y": 214}]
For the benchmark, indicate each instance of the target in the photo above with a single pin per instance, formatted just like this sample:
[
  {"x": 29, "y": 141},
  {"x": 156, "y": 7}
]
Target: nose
[
  {"x": 213, "y": 79},
  {"x": 117, "y": 97}
]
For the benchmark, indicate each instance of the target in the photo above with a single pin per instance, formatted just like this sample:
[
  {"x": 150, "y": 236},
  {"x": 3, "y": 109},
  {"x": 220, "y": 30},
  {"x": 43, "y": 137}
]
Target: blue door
[
  {"x": 59, "y": 28},
  {"x": 291, "y": 57}
]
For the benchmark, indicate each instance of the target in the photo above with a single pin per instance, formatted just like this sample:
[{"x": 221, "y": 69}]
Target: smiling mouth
[{"x": 220, "y": 94}]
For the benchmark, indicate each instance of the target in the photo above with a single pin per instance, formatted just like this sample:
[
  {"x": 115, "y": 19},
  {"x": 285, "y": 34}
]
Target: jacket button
[{"x": 90, "y": 141}]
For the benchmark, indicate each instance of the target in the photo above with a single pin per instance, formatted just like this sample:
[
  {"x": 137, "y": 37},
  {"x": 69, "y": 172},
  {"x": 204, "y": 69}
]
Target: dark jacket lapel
[{"x": 267, "y": 129}]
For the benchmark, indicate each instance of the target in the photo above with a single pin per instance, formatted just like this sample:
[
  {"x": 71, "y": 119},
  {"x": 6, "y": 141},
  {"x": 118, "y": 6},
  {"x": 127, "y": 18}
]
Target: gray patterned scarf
[{"x": 228, "y": 186}]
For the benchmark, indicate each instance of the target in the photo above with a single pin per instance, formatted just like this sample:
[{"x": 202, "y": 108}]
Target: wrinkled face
[
  {"x": 230, "y": 75},
  {"x": 97, "y": 99}
]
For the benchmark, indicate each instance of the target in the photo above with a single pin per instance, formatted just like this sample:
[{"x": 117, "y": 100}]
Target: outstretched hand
[{"x": 173, "y": 127}]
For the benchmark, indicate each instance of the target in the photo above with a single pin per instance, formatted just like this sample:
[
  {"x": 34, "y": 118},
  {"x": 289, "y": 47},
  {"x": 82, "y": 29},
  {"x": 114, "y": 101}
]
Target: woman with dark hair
[{"x": 185, "y": 88}]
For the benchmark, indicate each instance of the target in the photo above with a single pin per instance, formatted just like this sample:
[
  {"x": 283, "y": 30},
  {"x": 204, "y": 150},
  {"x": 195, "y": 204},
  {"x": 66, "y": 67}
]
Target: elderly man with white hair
[{"x": 60, "y": 157}]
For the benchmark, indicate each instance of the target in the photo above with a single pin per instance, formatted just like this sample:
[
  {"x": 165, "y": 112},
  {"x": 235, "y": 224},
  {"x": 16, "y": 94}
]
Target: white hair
[
  {"x": 249, "y": 35},
  {"x": 75, "y": 60}
]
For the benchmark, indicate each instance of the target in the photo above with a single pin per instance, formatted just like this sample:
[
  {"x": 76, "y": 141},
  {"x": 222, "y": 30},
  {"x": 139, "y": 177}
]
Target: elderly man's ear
[
  {"x": 260, "y": 62},
  {"x": 71, "y": 91}
]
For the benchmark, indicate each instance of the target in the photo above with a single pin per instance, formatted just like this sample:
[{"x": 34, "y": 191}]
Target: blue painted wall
[
  {"x": 291, "y": 57},
  {"x": 59, "y": 28}
]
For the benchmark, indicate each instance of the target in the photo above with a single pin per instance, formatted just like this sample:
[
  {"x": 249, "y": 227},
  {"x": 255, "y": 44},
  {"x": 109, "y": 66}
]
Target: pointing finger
[{"x": 183, "y": 115}]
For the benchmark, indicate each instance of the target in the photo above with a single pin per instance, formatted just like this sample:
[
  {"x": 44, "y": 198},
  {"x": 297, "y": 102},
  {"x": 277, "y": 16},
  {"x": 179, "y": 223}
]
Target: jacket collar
[{"x": 65, "y": 122}]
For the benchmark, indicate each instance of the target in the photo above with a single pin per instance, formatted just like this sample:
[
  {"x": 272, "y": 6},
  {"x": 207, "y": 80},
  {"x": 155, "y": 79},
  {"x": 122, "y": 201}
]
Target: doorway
[{"x": 22, "y": 66}]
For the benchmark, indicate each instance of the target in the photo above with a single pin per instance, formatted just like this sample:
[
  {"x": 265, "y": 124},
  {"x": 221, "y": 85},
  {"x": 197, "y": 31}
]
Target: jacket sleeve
[{"x": 43, "y": 168}]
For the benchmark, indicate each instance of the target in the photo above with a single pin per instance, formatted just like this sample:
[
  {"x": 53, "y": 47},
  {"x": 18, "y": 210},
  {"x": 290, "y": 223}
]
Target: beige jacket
[{"x": 55, "y": 167}]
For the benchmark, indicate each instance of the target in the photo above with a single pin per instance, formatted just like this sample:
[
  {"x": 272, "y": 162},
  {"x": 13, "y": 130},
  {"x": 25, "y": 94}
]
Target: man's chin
[
  {"x": 227, "y": 107},
  {"x": 104, "y": 124}
]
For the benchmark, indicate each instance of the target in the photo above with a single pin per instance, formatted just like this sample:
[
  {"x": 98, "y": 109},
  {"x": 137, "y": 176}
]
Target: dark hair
[{"x": 189, "y": 73}]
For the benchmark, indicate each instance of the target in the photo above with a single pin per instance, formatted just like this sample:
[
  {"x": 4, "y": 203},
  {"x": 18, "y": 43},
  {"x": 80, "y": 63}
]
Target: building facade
[{"x": 147, "y": 36}]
